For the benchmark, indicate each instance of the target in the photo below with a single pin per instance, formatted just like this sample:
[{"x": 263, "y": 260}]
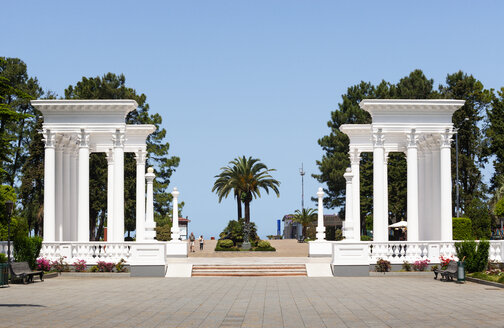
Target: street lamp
[
  {"x": 302, "y": 172},
  {"x": 9, "y": 205}
]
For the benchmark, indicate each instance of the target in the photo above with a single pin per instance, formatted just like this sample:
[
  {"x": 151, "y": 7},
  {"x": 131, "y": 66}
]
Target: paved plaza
[{"x": 251, "y": 302}]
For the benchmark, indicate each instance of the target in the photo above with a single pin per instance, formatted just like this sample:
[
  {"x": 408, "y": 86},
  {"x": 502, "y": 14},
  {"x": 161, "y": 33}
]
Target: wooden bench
[
  {"x": 21, "y": 270},
  {"x": 449, "y": 273}
]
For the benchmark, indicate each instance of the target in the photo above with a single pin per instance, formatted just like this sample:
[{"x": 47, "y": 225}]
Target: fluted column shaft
[
  {"x": 412, "y": 181},
  {"x": 49, "y": 187},
  {"x": 140, "y": 195},
  {"x": 356, "y": 212},
  {"x": 111, "y": 231},
  {"x": 446, "y": 187},
  {"x": 83, "y": 197},
  {"x": 175, "y": 231},
  {"x": 380, "y": 229},
  {"x": 349, "y": 232},
  {"x": 118, "y": 140},
  {"x": 320, "y": 216}
]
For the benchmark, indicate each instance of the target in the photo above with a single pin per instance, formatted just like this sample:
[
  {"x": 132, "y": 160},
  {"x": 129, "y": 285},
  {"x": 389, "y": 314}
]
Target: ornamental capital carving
[
  {"x": 48, "y": 138},
  {"x": 118, "y": 138},
  {"x": 445, "y": 139},
  {"x": 141, "y": 156},
  {"x": 354, "y": 156},
  {"x": 348, "y": 175},
  {"x": 83, "y": 139},
  {"x": 378, "y": 138},
  {"x": 412, "y": 139}
]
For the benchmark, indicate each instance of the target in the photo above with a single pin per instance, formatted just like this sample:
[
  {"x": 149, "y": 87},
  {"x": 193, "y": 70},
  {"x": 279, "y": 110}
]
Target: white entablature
[
  {"x": 72, "y": 130},
  {"x": 423, "y": 130}
]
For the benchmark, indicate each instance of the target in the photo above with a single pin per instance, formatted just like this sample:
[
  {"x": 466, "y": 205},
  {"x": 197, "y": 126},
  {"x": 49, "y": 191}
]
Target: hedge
[{"x": 462, "y": 229}]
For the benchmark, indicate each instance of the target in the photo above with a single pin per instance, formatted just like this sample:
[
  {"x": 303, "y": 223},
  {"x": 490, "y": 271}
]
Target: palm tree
[
  {"x": 245, "y": 177},
  {"x": 306, "y": 216}
]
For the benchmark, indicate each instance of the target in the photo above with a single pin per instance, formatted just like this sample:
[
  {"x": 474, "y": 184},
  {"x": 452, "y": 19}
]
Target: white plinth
[
  {"x": 148, "y": 253},
  {"x": 350, "y": 259},
  {"x": 321, "y": 248},
  {"x": 176, "y": 248}
]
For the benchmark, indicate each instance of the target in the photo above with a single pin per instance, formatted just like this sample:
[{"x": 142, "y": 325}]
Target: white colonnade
[
  {"x": 423, "y": 130},
  {"x": 73, "y": 129}
]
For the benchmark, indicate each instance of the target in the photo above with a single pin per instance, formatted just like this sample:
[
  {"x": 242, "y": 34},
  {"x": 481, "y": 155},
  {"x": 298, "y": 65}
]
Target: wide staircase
[{"x": 248, "y": 270}]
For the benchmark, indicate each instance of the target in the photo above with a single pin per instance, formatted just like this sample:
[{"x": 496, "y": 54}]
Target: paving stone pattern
[{"x": 251, "y": 302}]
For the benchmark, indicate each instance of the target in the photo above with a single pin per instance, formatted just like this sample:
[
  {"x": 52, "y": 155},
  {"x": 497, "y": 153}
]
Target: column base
[{"x": 322, "y": 248}]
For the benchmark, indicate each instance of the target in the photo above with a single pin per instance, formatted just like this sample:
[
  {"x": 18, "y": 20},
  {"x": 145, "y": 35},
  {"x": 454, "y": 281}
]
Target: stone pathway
[
  {"x": 251, "y": 302},
  {"x": 284, "y": 248}
]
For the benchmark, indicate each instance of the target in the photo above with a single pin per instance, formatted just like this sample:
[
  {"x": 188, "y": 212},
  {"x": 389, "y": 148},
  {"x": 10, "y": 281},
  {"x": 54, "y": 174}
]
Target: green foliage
[
  {"x": 120, "y": 266},
  {"x": 305, "y": 217},
  {"x": 18, "y": 226},
  {"x": 226, "y": 243},
  {"x": 112, "y": 86},
  {"x": 163, "y": 233},
  {"x": 479, "y": 213},
  {"x": 462, "y": 229},
  {"x": 94, "y": 268},
  {"x": 60, "y": 265},
  {"x": 3, "y": 258},
  {"x": 245, "y": 177},
  {"x": 366, "y": 238},
  {"x": 27, "y": 249},
  {"x": 476, "y": 255},
  {"x": 382, "y": 266},
  {"x": 234, "y": 231},
  {"x": 263, "y": 244},
  {"x": 499, "y": 208},
  {"x": 406, "y": 266},
  {"x": 495, "y": 134}
]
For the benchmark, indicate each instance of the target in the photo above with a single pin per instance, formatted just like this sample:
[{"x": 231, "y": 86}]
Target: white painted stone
[
  {"x": 318, "y": 270},
  {"x": 175, "y": 231},
  {"x": 320, "y": 248},
  {"x": 150, "y": 225},
  {"x": 320, "y": 216}
]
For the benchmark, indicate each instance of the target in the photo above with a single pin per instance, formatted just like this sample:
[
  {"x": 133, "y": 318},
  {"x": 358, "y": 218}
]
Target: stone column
[
  {"x": 436, "y": 193},
  {"x": 320, "y": 216},
  {"x": 111, "y": 232},
  {"x": 67, "y": 183},
  {"x": 175, "y": 231},
  {"x": 73, "y": 193},
  {"x": 446, "y": 186},
  {"x": 385, "y": 190},
  {"x": 118, "y": 140},
  {"x": 423, "y": 220},
  {"x": 379, "y": 225},
  {"x": 412, "y": 180},
  {"x": 150, "y": 225},
  {"x": 356, "y": 212},
  {"x": 349, "y": 232},
  {"x": 140, "y": 194},
  {"x": 49, "y": 187},
  {"x": 83, "y": 197},
  {"x": 59, "y": 190}
]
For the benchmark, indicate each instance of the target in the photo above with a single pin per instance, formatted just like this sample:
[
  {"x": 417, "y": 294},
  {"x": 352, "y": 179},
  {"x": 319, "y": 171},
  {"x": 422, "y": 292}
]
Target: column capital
[
  {"x": 348, "y": 175},
  {"x": 446, "y": 138},
  {"x": 140, "y": 156},
  {"x": 412, "y": 139},
  {"x": 118, "y": 138},
  {"x": 149, "y": 176},
  {"x": 378, "y": 138},
  {"x": 83, "y": 139},
  {"x": 354, "y": 156},
  {"x": 48, "y": 138}
]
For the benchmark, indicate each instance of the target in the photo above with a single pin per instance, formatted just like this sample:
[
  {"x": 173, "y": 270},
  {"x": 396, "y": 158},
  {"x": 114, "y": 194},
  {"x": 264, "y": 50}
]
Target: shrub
[
  {"x": 80, "y": 265},
  {"x": 462, "y": 229},
  {"x": 434, "y": 267},
  {"x": 382, "y": 266},
  {"x": 366, "y": 238},
  {"x": 501, "y": 280},
  {"x": 105, "y": 266},
  {"x": 120, "y": 267},
  {"x": 476, "y": 256},
  {"x": 263, "y": 244},
  {"x": 60, "y": 265},
  {"x": 3, "y": 258},
  {"x": 94, "y": 268},
  {"x": 479, "y": 213},
  {"x": 43, "y": 264},
  {"x": 27, "y": 249},
  {"x": 163, "y": 233},
  {"x": 406, "y": 266},
  {"x": 226, "y": 243},
  {"x": 234, "y": 231},
  {"x": 420, "y": 265}
]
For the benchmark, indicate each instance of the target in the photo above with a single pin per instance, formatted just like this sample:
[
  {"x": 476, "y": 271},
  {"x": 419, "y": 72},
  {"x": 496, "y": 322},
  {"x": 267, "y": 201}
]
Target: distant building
[
  {"x": 184, "y": 227},
  {"x": 294, "y": 230}
]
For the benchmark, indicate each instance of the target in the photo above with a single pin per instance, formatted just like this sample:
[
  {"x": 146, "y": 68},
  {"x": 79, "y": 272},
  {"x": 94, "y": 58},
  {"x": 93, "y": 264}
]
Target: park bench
[
  {"x": 21, "y": 270},
  {"x": 449, "y": 273}
]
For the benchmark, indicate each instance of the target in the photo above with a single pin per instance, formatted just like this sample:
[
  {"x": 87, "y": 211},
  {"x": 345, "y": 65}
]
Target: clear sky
[{"x": 255, "y": 78}]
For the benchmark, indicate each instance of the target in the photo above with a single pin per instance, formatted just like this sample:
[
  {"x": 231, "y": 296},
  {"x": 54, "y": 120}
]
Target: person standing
[
  {"x": 201, "y": 242},
  {"x": 191, "y": 240}
]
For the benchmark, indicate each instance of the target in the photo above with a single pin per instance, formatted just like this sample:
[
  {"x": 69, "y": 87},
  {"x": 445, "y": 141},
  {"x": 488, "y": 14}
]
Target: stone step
[{"x": 242, "y": 270}]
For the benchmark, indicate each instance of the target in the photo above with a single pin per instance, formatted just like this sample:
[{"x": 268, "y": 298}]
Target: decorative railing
[
  {"x": 93, "y": 252},
  {"x": 399, "y": 251}
]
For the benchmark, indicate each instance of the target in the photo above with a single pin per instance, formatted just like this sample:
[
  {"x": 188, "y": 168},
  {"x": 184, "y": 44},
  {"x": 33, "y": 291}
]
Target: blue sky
[{"x": 255, "y": 78}]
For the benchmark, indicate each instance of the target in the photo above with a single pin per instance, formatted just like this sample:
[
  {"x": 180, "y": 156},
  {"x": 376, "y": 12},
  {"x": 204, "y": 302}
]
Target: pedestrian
[
  {"x": 191, "y": 239},
  {"x": 201, "y": 242}
]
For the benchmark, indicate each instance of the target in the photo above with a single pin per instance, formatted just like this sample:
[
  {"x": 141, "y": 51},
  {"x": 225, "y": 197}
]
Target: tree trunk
[
  {"x": 238, "y": 203},
  {"x": 247, "y": 211}
]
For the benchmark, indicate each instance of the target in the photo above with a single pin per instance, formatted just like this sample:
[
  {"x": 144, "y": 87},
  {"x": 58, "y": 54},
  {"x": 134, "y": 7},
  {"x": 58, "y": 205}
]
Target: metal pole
[
  {"x": 302, "y": 172},
  {"x": 457, "y": 198}
]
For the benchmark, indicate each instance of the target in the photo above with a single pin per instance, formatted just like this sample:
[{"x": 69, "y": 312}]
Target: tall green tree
[
  {"x": 468, "y": 120},
  {"x": 495, "y": 134},
  {"x": 112, "y": 86},
  {"x": 228, "y": 181},
  {"x": 336, "y": 146},
  {"x": 305, "y": 217},
  {"x": 251, "y": 176}
]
